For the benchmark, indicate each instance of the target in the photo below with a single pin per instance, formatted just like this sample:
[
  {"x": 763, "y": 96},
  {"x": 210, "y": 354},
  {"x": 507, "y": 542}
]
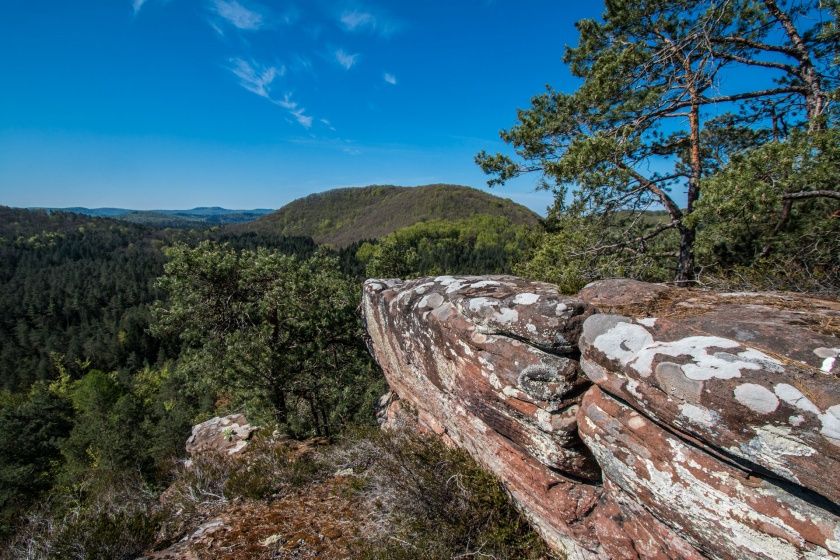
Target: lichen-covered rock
[
  {"x": 752, "y": 393},
  {"x": 488, "y": 364},
  {"x": 721, "y": 510},
  {"x": 499, "y": 346},
  {"x": 226, "y": 435},
  {"x": 712, "y": 431}
]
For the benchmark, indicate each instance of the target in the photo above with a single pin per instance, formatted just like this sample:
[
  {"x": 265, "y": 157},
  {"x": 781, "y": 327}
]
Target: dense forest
[{"x": 117, "y": 337}]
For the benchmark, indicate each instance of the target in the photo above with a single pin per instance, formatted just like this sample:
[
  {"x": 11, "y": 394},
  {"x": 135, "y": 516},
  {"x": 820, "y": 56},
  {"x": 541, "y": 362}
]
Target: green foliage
[
  {"x": 573, "y": 253},
  {"x": 113, "y": 520},
  {"x": 743, "y": 224},
  {"x": 646, "y": 119},
  {"x": 270, "y": 331},
  {"x": 448, "y": 506},
  {"x": 341, "y": 217},
  {"x": 33, "y": 428},
  {"x": 271, "y": 470},
  {"x": 477, "y": 245}
]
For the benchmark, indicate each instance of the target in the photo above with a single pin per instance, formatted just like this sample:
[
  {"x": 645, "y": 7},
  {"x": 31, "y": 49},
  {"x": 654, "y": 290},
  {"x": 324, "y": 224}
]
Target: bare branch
[{"x": 811, "y": 194}]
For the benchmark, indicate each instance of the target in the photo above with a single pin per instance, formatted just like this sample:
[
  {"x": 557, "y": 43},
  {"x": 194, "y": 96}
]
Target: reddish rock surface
[
  {"x": 718, "y": 508},
  {"x": 724, "y": 443},
  {"x": 743, "y": 378}
]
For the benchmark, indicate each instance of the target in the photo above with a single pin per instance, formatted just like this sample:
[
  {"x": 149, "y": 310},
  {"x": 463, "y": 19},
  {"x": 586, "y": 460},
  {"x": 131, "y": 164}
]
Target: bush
[
  {"x": 439, "y": 502},
  {"x": 114, "y": 520}
]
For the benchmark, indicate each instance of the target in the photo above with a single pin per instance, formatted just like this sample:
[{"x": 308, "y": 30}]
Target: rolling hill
[{"x": 341, "y": 217}]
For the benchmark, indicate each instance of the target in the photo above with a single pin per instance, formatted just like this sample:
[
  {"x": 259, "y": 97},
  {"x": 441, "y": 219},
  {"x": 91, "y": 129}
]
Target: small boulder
[{"x": 227, "y": 435}]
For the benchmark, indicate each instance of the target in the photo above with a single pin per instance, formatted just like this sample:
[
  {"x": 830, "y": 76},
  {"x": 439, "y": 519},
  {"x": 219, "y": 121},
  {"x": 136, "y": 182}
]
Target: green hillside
[{"x": 342, "y": 216}]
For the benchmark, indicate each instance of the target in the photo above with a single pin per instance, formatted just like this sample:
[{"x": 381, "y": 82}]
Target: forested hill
[
  {"x": 341, "y": 217},
  {"x": 78, "y": 288}
]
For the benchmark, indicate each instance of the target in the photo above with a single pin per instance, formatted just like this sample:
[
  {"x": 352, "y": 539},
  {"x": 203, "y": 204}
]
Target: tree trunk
[
  {"x": 815, "y": 99},
  {"x": 313, "y": 409},
  {"x": 685, "y": 265},
  {"x": 278, "y": 401}
]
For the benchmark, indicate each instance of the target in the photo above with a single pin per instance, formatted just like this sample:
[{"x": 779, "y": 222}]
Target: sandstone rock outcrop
[
  {"x": 227, "y": 435},
  {"x": 632, "y": 420}
]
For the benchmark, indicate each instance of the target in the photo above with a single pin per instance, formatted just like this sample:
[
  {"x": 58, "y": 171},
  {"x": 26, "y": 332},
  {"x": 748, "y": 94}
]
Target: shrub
[
  {"x": 441, "y": 504},
  {"x": 115, "y": 520}
]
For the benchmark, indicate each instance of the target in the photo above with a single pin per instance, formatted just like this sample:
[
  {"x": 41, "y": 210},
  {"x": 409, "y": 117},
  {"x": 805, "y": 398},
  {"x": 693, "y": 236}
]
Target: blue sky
[{"x": 183, "y": 103}]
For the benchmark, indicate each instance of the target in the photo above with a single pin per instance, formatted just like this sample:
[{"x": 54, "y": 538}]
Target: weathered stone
[
  {"x": 459, "y": 368},
  {"x": 763, "y": 401},
  {"x": 627, "y": 531},
  {"x": 226, "y": 435},
  {"x": 459, "y": 335},
  {"x": 722, "y": 511},
  {"x": 618, "y": 293},
  {"x": 717, "y": 427}
]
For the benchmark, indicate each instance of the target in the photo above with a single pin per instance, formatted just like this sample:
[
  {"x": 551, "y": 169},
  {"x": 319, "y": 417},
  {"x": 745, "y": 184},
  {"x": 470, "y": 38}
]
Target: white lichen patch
[
  {"x": 633, "y": 388},
  {"x": 795, "y": 398},
  {"x": 830, "y": 419},
  {"x": 699, "y": 415},
  {"x": 525, "y": 299},
  {"x": 485, "y": 284},
  {"x": 647, "y": 321},
  {"x": 506, "y": 315},
  {"x": 636, "y": 422},
  {"x": 480, "y": 303},
  {"x": 829, "y": 356},
  {"x": 756, "y": 397},
  {"x": 560, "y": 309},
  {"x": 796, "y": 420},
  {"x": 831, "y": 424},
  {"x": 430, "y": 300},
  {"x": 623, "y": 342},
  {"x": 707, "y": 362},
  {"x": 595, "y": 372},
  {"x": 543, "y": 418},
  {"x": 531, "y": 328}
]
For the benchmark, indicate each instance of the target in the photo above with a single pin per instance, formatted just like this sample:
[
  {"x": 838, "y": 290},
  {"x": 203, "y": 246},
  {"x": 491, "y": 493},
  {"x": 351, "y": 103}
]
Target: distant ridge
[
  {"x": 195, "y": 217},
  {"x": 341, "y": 217}
]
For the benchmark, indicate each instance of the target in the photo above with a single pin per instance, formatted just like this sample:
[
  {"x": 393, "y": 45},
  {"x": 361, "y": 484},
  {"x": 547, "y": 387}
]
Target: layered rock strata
[{"x": 632, "y": 420}]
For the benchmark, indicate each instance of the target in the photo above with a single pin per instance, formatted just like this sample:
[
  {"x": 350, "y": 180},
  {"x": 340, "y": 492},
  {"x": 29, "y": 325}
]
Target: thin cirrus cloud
[
  {"x": 258, "y": 79},
  {"x": 298, "y": 112},
  {"x": 361, "y": 20},
  {"x": 255, "y": 77},
  {"x": 390, "y": 78},
  {"x": 137, "y": 5},
  {"x": 238, "y": 15},
  {"x": 345, "y": 59}
]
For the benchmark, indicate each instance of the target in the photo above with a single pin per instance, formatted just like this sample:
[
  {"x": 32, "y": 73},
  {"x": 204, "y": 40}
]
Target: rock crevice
[{"x": 632, "y": 420}]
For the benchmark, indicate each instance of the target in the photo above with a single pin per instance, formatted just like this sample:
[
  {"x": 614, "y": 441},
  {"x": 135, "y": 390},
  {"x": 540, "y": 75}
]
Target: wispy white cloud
[
  {"x": 346, "y": 59},
  {"x": 327, "y": 124},
  {"x": 298, "y": 112},
  {"x": 365, "y": 20},
  {"x": 355, "y": 19},
  {"x": 255, "y": 77},
  {"x": 390, "y": 78},
  {"x": 258, "y": 79},
  {"x": 137, "y": 5},
  {"x": 238, "y": 15}
]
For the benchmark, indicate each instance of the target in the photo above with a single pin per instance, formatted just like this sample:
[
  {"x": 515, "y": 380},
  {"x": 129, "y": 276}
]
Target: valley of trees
[{"x": 117, "y": 337}]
